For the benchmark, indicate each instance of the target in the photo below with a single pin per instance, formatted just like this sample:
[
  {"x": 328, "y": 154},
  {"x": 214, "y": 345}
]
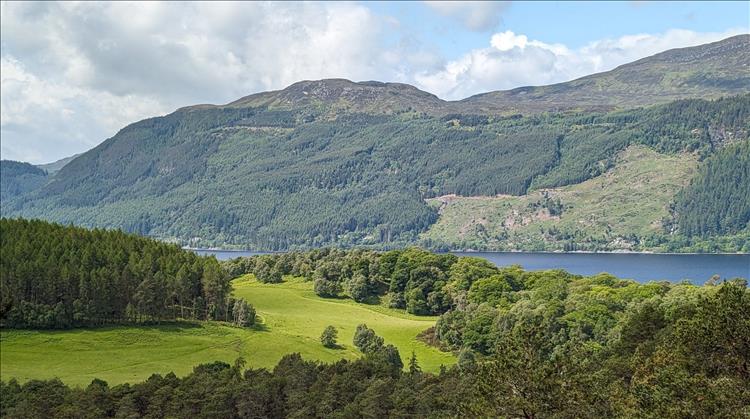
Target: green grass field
[{"x": 293, "y": 318}]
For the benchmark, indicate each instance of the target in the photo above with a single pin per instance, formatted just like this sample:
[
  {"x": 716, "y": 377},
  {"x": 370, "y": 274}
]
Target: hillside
[
  {"x": 231, "y": 176},
  {"x": 55, "y": 166},
  {"x": 18, "y": 178},
  {"x": 338, "y": 162},
  {"x": 343, "y": 96},
  {"x": 706, "y": 71},
  {"x": 292, "y": 320},
  {"x": 702, "y": 72},
  {"x": 724, "y": 177},
  {"x": 608, "y": 212}
]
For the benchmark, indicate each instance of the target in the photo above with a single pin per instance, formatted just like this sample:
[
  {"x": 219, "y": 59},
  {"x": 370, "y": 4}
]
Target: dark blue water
[{"x": 639, "y": 266}]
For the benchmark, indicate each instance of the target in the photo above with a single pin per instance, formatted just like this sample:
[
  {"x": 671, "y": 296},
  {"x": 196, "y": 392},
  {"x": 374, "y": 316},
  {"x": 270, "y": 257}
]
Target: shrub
[{"x": 328, "y": 338}]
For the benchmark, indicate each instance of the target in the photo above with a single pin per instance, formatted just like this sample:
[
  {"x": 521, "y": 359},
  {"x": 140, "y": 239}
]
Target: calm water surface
[{"x": 639, "y": 266}]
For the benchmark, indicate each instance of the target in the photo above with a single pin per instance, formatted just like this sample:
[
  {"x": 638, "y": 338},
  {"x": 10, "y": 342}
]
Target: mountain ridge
[
  {"x": 345, "y": 163},
  {"x": 382, "y": 96},
  {"x": 734, "y": 53}
]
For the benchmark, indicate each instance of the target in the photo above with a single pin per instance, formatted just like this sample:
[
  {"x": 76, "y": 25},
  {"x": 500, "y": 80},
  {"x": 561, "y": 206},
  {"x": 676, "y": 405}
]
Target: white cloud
[
  {"x": 513, "y": 60},
  {"x": 474, "y": 15},
  {"x": 40, "y": 118},
  {"x": 180, "y": 49}
]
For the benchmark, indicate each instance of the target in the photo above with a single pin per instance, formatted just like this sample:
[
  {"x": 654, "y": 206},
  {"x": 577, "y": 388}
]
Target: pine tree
[{"x": 414, "y": 367}]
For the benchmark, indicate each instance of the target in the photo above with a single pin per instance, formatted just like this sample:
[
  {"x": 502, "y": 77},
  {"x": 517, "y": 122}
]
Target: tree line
[
  {"x": 413, "y": 279},
  {"x": 54, "y": 276}
]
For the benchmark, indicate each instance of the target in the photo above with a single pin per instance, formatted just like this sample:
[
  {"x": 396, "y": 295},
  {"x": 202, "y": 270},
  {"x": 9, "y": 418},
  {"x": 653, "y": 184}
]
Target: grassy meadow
[{"x": 291, "y": 318}]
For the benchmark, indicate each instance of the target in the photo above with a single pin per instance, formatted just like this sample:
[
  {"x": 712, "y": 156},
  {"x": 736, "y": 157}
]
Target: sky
[{"x": 73, "y": 74}]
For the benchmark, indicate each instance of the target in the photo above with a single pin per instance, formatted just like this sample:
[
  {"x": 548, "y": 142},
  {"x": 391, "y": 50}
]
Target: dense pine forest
[
  {"x": 718, "y": 199},
  {"x": 53, "y": 276},
  {"x": 529, "y": 344}
]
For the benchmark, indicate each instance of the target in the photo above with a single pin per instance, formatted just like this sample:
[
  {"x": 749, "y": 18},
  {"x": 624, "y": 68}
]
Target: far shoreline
[{"x": 551, "y": 252}]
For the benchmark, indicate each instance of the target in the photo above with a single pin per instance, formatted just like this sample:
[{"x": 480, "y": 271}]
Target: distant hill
[
  {"x": 18, "y": 178},
  {"x": 340, "y": 95},
  {"x": 337, "y": 162},
  {"x": 55, "y": 166},
  {"x": 706, "y": 71}
]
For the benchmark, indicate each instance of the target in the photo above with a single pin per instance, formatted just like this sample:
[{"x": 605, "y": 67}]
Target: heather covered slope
[
  {"x": 343, "y": 96},
  {"x": 706, "y": 71}
]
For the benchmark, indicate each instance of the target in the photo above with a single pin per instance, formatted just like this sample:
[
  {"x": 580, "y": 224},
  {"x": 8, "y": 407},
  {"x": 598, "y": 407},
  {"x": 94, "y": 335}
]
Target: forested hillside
[
  {"x": 718, "y": 198},
  {"x": 17, "y": 178},
  {"x": 337, "y": 162},
  {"x": 262, "y": 179},
  {"x": 53, "y": 276},
  {"x": 529, "y": 344}
]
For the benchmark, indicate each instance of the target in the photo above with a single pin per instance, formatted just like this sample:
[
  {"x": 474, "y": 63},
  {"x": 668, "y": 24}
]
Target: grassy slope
[
  {"x": 293, "y": 318},
  {"x": 293, "y": 309},
  {"x": 632, "y": 197}
]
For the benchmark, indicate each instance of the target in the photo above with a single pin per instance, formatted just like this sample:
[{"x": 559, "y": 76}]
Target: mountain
[
  {"x": 340, "y": 95},
  {"x": 704, "y": 72},
  {"x": 707, "y": 71},
  {"x": 338, "y": 162},
  {"x": 19, "y": 178},
  {"x": 55, "y": 166}
]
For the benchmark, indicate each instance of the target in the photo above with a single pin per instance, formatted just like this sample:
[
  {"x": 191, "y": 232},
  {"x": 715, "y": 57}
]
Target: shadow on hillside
[
  {"x": 258, "y": 327},
  {"x": 164, "y": 326},
  {"x": 336, "y": 347},
  {"x": 372, "y": 300}
]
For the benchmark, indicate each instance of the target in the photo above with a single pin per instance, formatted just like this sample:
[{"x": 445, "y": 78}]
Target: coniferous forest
[
  {"x": 52, "y": 276},
  {"x": 718, "y": 199}
]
